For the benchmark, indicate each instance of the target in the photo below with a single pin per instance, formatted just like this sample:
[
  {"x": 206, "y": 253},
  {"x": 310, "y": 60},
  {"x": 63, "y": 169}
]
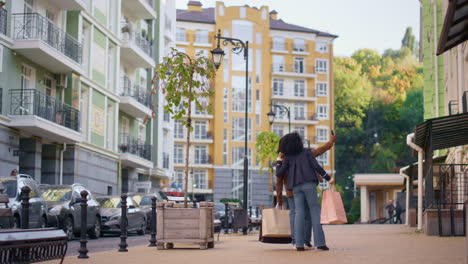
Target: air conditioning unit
[{"x": 61, "y": 80}]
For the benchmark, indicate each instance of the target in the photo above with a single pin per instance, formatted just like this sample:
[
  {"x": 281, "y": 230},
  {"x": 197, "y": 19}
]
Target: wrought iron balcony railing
[
  {"x": 293, "y": 68},
  {"x": 36, "y": 27},
  {"x": 135, "y": 146},
  {"x": 3, "y": 20},
  {"x": 297, "y": 116},
  {"x": 203, "y": 159},
  {"x": 139, "y": 38},
  {"x": 293, "y": 92},
  {"x": 139, "y": 93},
  {"x": 33, "y": 102}
]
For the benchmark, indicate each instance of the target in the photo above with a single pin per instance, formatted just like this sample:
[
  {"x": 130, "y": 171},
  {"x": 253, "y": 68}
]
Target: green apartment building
[{"x": 75, "y": 94}]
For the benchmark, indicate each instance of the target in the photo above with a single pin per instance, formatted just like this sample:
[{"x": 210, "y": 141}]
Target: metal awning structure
[
  {"x": 443, "y": 132},
  {"x": 455, "y": 29}
]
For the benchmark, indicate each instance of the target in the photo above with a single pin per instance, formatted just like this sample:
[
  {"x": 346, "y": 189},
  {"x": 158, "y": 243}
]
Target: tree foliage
[
  {"x": 267, "y": 149},
  {"x": 378, "y": 102},
  {"x": 185, "y": 81}
]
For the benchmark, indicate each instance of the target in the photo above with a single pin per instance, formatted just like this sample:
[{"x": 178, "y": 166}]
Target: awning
[
  {"x": 443, "y": 132},
  {"x": 455, "y": 29}
]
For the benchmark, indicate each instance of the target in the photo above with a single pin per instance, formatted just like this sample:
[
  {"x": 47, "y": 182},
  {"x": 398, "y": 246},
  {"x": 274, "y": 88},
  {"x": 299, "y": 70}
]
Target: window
[
  {"x": 201, "y": 154},
  {"x": 27, "y": 77},
  {"x": 110, "y": 67},
  {"x": 323, "y": 159},
  {"x": 278, "y": 87},
  {"x": 243, "y": 12},
  {"x": 278, "y": 43},
  {"x": 322, "y": 112},
  {"x": 321, "y": 66},
  {"x": 226, "y": 105},
  {"x": 178, "y": 178},
  {"x": 238, "y": 156},
  {"x": 259, "y": 37},
  {"x": 178, "y": 129},
  {"x": 299, "y": 45},
  {"x": 278, "y": 63},
  {"x": 322, "y": 134},
  {"x": 321, "y": 46},
  {"x": 299, "y": 66},
  {"x": 238, "y": 94},
  {"x": 200, "y": 179},
  {"x": 321, "y": 89},
  {"x": 180, "y": 34},
  {"x": 299, "y": 111},
  {"x": 238, "y": 129},
  {"x": 278, "y": 130},
  {"x": 258, "y": 69},
  {"x": 299, "y": 88},
  {"x": 178, "y": 153},
  {"x": 300, "y": 130},
  {"x": 200, "y": 130},
  {"x": 226, "y": 66},
  {"x": 225, "y": 146},
  {"x": 201, "y": 36}
]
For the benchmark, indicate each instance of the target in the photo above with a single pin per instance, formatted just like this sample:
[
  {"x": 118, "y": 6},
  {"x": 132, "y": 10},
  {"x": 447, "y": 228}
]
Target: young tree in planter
[
  {"x": 267, "y": 151},
  {"x": 185, "y": 81}
]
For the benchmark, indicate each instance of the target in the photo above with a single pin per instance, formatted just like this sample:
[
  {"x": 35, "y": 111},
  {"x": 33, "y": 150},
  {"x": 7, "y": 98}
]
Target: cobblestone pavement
[{"x": 349, "y": 244}]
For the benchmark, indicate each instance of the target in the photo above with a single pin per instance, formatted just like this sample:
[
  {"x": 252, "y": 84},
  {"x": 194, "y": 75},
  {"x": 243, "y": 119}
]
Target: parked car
[
  {"x": 111, "y": 213},
  {"x": 64, "y": 209},
  {"x": 144, "y": 202},
  {"x": 38, "y": 208}
]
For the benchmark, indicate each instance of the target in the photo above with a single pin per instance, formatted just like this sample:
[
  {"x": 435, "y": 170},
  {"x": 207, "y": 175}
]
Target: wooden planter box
[{"x": 185, "y": 225}]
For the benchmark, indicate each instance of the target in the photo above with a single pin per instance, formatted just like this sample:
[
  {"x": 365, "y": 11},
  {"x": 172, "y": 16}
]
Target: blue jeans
[
  {"x": 308, "y": 222},
  {"x": 306, "y": 193}
]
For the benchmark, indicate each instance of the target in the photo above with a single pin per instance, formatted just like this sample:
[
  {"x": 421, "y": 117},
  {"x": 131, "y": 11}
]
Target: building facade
[
  {"x": 289, "y": 65},
  {"x": 77, "y": 104}
]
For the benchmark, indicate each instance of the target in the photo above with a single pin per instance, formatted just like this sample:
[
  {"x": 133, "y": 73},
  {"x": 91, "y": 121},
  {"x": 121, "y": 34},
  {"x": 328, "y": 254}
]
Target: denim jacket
[{"x": 301, "y": 168}]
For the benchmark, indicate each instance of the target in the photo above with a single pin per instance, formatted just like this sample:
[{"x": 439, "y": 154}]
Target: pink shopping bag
[{"x": 332, "y": 209}]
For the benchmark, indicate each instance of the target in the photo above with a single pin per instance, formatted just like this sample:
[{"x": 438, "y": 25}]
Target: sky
[{"x": 375, "y": 24}]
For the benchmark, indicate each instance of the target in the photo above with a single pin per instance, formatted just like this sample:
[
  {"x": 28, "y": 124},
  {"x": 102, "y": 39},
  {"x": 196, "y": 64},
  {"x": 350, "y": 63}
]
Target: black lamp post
[
  {"x": 218, "y": 53},
  {"x": 283, "y": 109}
]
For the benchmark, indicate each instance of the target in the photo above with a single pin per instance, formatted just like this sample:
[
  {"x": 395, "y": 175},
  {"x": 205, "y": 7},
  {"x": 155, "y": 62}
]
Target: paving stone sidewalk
[{"x": 376, "y": 244}]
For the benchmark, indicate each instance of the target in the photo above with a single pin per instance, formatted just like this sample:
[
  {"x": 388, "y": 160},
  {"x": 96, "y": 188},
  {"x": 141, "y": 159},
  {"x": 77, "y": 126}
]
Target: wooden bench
[{"x": 32, "y": 245}]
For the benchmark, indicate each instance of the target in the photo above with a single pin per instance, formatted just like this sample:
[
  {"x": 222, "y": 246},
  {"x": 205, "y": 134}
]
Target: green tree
[
  {"x": 367, "y": 58},
  {"x": 408, "y": 39},
  {"x": 185, "y": 81}
]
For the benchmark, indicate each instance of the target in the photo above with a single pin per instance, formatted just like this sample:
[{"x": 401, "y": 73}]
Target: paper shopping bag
[
  {"x": 332, "y": 209},
  {"x": 275, "y": 226}
]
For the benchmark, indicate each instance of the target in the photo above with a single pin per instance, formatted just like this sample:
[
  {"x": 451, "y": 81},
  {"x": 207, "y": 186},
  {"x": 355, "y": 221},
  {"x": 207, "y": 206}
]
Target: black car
[
  {"x": 64, "y": 209},
  {"x": 111, "y": 212}
]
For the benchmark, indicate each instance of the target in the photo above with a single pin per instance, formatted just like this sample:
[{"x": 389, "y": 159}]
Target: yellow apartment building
[{"x": 289, "y": 65}]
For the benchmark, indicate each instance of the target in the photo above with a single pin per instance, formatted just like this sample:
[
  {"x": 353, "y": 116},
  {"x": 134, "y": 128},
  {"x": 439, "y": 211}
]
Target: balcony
[
  {"x": 3, "y": 20},
  {"x": 46, "y": 44},
  {"x": 78, "y": 5},
  {"x": 293, "y": 70},
  {"x": 196, "y": 138},
  {"x": 136, "y": 49},
  {"x": 134, "y": 99},
  {"x": 294, "y": 94},
  {"x": 203, "y": 161},
  {"x": 143, "y": 9},
  {"x": 135, "y": 153},
  {"x": 44, "y": 116},
  {"x": 297, "y": 118}
]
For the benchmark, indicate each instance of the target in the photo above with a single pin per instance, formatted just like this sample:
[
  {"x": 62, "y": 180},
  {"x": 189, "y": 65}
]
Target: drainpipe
[
  {"x": 410, "y": 143},
  {"x": 61, "y": 162},
  {"x": 407, "y": 194},
  {"x": 436, "y": 70}
]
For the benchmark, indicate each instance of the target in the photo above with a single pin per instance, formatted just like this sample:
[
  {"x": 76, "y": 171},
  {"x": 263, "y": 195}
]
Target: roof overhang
[
  {"x": 455, "y": 29},
  {"x": 443, "y": 132},
  {"x": 379, "y": 179}
]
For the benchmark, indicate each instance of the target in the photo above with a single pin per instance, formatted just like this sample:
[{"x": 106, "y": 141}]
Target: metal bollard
[
  {"x": 123, "y": 224},
  {"x": 226, "y": 218},
  {"x": 153, "y": 222},
  {"x": 257, "y": 212},
  {"x": 250, "y": 211},
  {"x": 84, "y": 223},
  {"x": 25, "y": 190}
]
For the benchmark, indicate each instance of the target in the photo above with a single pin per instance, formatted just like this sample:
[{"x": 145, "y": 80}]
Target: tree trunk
[{"x": 189, "y": 125}]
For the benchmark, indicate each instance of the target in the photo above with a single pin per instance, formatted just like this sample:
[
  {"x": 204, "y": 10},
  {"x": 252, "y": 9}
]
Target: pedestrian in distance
[
  {"x": 390, "y": 208},
  {"x": 398, "y": 211},
  {"x": 301, "y": 166},
  {"x": 14, "y": 173},
  {"x": 280, "y": 182}
]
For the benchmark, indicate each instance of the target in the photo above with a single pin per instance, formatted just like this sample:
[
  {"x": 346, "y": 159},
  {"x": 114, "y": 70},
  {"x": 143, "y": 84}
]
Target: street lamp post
[
  {"x": 283, "y": 109},
  {"x": 218, "y": 53}
]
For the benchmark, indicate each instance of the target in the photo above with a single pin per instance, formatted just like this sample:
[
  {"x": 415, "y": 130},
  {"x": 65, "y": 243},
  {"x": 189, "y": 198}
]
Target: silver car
[
  {"x": 37, "y": 209},
  {"x": 111, "y": 212},
  {"x": 64, "y": 209}
]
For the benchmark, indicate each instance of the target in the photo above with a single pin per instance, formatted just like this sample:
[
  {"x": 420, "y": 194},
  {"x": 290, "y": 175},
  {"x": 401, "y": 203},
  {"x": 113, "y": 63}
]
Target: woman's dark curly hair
[{"x": 291, "y": 144}]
